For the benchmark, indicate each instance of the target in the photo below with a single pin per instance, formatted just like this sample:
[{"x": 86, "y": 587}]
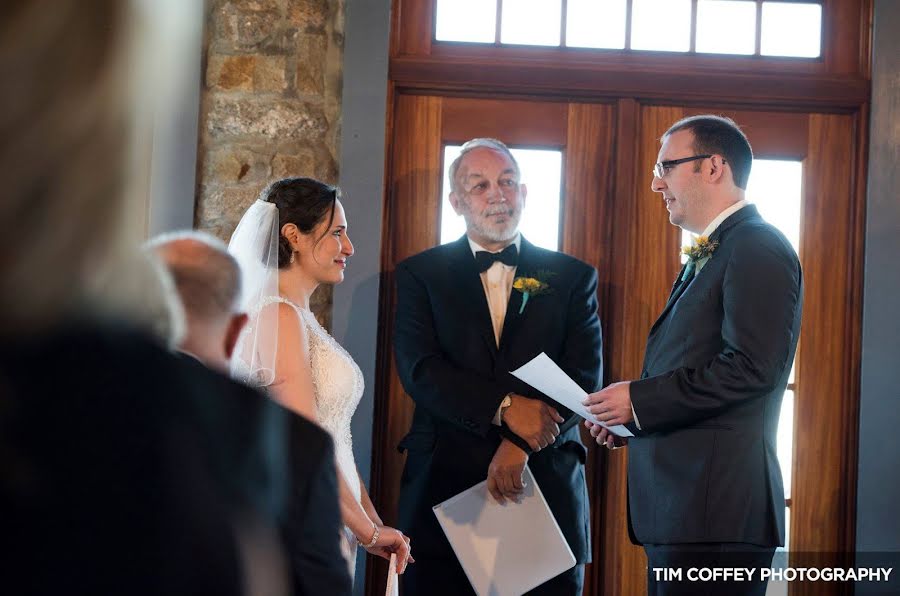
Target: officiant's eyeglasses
[{"x": 662, "y": 168}]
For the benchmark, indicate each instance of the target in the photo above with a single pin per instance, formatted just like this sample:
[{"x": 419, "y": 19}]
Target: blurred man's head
[
  {"x": 63, "y": 145},
  {"x": 208, "y": 281}
]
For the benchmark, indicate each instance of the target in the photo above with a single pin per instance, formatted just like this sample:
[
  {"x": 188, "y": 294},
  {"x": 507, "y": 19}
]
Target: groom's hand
[
  {"x": 504, "y": 479},
  {"x": 612, "y": 404},
  {"x": 533, "y": 420}
]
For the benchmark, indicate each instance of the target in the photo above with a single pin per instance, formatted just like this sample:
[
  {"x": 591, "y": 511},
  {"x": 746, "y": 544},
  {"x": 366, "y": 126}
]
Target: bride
[{"x": 293, "y": 238}]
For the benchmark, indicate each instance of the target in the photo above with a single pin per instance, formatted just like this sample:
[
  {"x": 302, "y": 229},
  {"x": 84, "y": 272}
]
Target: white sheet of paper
[
  {"x": 505, "y": 549},
  {"x": 391, "y": 587},
  {"x": 544, "y": 375}
]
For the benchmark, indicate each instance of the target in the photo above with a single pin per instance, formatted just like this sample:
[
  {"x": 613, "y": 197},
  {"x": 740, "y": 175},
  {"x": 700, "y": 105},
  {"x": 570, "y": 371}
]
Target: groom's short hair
[
  {"x": 207, "y": 277},
  {"x": 721, "y": 136}
]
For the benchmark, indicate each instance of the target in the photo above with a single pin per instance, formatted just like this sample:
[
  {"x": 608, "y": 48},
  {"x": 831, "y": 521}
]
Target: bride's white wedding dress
[{"x": 338, "y": 384}]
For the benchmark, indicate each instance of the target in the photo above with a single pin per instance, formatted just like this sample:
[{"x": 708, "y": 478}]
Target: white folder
[{"x": 507, "y": 549}]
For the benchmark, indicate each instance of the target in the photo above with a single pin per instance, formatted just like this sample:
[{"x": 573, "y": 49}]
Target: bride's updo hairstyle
[{"x": 304, "y": 202}]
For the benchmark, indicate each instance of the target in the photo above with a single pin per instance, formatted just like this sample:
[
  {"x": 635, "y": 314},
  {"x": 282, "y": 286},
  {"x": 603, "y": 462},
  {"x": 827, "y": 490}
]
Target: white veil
[{"x": 255, "y": 246}]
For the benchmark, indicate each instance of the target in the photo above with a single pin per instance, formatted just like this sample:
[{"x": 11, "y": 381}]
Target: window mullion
[
  {"x": 564, "y": 12},
  {"x": 628, "y": 10},
  {"x": 499, "y": 16},
  {"x": 758, "y": 28},
  {"x": 693, "y": 47}
]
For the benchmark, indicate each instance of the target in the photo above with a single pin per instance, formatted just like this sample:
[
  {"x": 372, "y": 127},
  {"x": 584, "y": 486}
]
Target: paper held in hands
[{"x": 544, "y": 375}]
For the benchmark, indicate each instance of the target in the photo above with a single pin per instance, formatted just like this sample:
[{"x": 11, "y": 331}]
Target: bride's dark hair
[{"x": 303, "y": 202}]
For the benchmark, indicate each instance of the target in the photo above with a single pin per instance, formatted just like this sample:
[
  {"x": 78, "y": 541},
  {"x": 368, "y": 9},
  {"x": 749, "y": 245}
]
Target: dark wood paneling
[
  {"x": 619, "y": 565},
  {"x": 515, "y": 122},
  {"x": 587, "y": 234},
  {"x": 589, "y": 160},
  {"x": 412, "y": 23},
  {"x": 644, "y": 271},
  {"x": 847, "y": 36},
  {"x": 410, "y": 226},
  {"x": 827, "y": 371}
]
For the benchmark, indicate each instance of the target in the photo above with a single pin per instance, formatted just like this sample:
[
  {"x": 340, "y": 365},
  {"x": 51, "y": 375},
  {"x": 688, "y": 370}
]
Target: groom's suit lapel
[
  {"x": 464, "y": 269},
  {"x": 680, "y": 286}
]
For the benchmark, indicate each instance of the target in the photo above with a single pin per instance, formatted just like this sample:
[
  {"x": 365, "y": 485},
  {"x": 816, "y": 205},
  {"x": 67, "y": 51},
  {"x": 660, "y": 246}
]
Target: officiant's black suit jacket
[
  {"x": 449, "y": 363},
  {"x": 704, "y": 467}
]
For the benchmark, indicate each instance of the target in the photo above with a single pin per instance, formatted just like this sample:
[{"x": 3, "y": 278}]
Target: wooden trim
[
  {"x": 788, "y": 91},
  {"x": 516, "y": 122},
  {"x": 822, "y": 512},
  {"x": 412, "y": 199},
  {"x": 853, "y": 321},
  {"x": 412, "y": 27},
  {"x": 587, "y": 222}
]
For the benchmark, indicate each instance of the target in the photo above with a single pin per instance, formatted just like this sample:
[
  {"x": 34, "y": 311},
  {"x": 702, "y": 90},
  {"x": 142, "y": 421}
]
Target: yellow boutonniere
[
  {"x": 698, "y": 254},
  {"x": 531, "y": 286}
]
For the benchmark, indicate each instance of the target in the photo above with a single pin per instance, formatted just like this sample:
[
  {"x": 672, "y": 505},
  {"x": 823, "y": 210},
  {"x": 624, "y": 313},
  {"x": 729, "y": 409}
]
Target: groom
[
  {"x": 704, "y": 484},
  {"x": 461, "y": 325}
]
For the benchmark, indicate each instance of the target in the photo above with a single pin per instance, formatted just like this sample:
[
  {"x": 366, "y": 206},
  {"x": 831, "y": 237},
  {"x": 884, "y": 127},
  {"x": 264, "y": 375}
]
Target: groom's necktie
[{"x": 507, "y": 256}]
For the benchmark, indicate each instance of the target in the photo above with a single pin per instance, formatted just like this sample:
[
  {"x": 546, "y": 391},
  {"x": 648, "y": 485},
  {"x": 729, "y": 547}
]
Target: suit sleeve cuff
[{"x": 506, "y": 433}]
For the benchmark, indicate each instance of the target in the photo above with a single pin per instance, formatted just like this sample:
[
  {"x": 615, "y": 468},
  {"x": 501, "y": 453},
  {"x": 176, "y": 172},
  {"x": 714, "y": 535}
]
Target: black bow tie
[{"x": 507, "y": 256}]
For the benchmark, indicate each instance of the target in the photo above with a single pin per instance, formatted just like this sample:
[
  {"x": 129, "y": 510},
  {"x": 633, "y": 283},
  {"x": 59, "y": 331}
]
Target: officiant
[{"x": 467, "y": 313}]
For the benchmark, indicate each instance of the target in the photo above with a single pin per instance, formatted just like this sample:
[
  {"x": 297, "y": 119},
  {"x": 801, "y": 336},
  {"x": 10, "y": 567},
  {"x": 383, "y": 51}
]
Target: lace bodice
[{"x": 338, "y": 384}]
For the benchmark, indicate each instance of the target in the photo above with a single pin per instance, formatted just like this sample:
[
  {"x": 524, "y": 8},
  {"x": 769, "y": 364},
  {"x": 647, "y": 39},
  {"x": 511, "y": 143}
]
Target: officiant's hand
[
  {"x": 604, "y": 437},
  {"x": 533, "y": 420},
  {"x": 612, "y": 404},
  {"x": 504, "y": 479}
]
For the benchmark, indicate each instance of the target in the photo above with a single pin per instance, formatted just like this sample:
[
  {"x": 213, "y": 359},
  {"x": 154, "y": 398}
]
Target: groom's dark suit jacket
[
  {"x": 704, "y": 467},
  {"x": 449, "y": 363}
]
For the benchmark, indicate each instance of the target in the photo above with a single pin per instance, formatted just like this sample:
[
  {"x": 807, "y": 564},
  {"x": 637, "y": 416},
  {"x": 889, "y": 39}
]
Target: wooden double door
[{"x": 612, "y": 220}]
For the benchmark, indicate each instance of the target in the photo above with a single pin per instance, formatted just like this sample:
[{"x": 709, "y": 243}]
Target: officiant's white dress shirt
[{"x": 497, "y": 282}]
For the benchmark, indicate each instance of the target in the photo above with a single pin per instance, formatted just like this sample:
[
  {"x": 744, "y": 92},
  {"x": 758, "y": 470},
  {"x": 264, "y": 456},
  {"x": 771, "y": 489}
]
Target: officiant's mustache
[{"x": 498, "y": 211}]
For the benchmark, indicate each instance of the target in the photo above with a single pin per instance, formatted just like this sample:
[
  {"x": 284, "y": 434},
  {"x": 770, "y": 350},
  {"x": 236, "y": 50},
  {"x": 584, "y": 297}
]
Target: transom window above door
[{"x": 737, "y": 27}]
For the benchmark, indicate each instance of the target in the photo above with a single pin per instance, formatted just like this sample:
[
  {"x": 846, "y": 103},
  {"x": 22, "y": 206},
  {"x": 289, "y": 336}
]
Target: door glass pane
[
  {"x": 531, "y": 22},
  {"x": 726, "y": 26},
  {"x": 663, "y": 25},
  {"x": 466, "y": 20},
  {"x": 774, "y": 187},
  {"x": 791, "y": 29},
  {"x": 595, "y": 24},
  {"x": 541, "y": 173}
]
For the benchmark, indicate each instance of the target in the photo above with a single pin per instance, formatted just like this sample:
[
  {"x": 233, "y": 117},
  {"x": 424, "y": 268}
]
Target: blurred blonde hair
[{"x": 63, "y": 152}]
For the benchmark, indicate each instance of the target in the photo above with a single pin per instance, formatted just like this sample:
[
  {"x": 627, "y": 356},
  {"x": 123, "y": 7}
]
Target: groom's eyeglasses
[{"x": 662, "y": 168}]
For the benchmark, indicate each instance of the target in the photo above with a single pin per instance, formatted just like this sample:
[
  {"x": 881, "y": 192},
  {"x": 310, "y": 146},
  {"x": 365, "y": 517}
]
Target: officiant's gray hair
[{"x": 487, "y": 143}]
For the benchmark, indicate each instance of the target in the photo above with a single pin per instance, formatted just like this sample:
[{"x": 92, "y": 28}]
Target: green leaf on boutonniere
[
  {"x": 532, "y": 285},
  {"x": 698, "y": 254}
]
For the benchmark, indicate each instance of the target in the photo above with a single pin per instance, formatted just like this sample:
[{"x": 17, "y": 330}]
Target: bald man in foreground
[{"x": 252, "y": 432}]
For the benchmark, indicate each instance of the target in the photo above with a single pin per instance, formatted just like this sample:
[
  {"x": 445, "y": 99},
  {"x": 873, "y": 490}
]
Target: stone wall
[{"x": 270, "y": 105}]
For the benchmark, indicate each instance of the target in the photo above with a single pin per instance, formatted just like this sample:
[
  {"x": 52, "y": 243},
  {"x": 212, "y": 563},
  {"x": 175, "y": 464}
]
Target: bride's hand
[{"x": 390, "y": 540}]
